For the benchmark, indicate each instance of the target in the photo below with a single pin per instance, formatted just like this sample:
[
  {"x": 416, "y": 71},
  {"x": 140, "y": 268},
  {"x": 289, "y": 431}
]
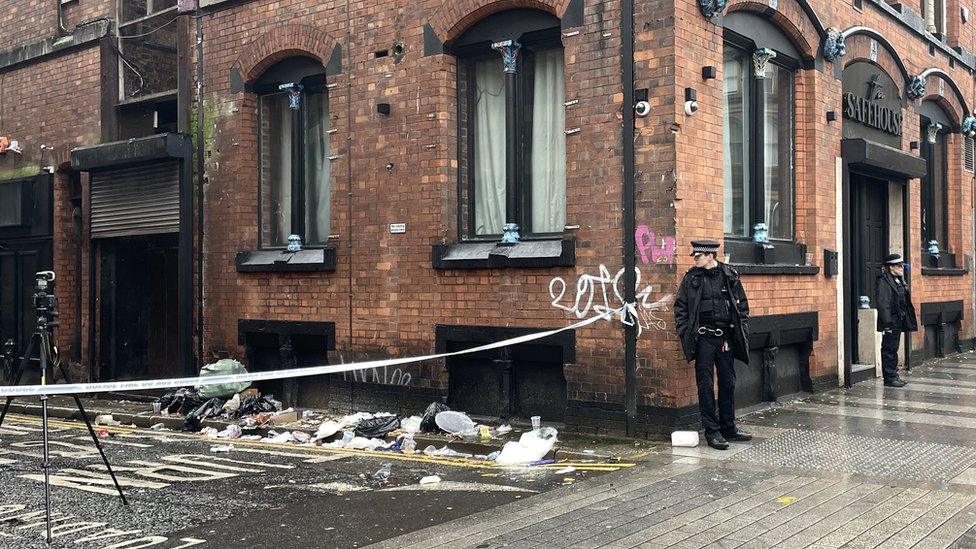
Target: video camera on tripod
[{"x": 45, "y": 302}]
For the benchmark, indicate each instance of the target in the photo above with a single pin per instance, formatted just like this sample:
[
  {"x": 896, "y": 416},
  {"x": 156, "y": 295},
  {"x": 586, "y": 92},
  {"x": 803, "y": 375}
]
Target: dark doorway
[
  {"x": 19, "y": 263},
  {"x": 138, "y": 317},
  {"x": 869, "y": 230}
]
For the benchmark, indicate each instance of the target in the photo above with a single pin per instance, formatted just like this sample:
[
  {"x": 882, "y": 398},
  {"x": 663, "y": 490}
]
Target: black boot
[
  {"x": 896, "y": 382},
  {"x": 737, "y": 436},
  {"x": 717, "y": 441}
]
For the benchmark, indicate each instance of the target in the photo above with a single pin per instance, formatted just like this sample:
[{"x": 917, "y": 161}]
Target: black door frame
[{"x": 861, "y": 182}]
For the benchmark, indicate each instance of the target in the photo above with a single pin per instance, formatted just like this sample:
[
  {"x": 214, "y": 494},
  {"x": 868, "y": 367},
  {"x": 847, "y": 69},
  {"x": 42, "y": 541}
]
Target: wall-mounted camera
[
  {"x": 642, "y": 108},
  {"x": 691, "y": 101}
]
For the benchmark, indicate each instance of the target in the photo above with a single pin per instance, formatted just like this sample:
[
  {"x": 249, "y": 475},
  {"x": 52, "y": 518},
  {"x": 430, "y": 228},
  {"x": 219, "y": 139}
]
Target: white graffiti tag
[{"x": 602, "y": 296}]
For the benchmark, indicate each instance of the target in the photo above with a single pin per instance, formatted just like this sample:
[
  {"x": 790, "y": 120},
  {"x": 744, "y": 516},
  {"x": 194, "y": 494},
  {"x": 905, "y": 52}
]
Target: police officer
[
  {"x": 896, "y": 315},
  {"x": 711, "y": 314}
]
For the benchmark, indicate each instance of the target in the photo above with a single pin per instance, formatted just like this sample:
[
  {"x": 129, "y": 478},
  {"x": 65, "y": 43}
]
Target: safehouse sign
[{"x": 872, "y": 105}]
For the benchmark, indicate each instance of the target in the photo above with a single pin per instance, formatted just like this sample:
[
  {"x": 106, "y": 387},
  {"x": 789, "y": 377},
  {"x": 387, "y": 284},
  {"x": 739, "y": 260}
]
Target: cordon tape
[{"x": 142, "y": 385}]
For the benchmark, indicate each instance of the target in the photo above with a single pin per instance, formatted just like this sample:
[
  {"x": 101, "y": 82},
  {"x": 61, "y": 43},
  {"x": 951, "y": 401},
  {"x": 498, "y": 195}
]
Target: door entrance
[
  {"x": 19, "y": 263},
  {"x": 869, "y": 231},
  {"x": 139, "y": 300}
]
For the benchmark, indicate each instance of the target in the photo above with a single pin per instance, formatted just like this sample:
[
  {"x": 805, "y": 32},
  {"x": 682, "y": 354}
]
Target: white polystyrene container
[{"x": 685, "y": 439}]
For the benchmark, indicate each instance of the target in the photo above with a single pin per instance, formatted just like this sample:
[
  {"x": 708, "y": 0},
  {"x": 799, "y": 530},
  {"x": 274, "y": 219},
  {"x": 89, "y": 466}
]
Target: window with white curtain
[
  {"x": 540, "y": 157},
  {"x": 294, "y": 168}
]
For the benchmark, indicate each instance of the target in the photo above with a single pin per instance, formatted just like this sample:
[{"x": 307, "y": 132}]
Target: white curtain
[
  {"x": 276, "y": 173},
  {"x": 489, "y": 147},
  {"x": 548, "y": 144},
  {"x": 317, "y": 169}
]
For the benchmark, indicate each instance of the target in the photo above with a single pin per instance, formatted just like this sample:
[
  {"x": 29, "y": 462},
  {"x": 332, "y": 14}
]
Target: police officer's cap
[
  {"x": 704, "y": 247},
  {"x": 893, "y": 259}
]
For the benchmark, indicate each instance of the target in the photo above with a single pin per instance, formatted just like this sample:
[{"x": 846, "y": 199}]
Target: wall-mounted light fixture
[
  {"x": 383, "y": 108},
  {"x": 913, "y": 145},
  {"x": 691, "y": 101},
  {"x": 831, "y": 116},
  {"x": 709, "y": 72}
]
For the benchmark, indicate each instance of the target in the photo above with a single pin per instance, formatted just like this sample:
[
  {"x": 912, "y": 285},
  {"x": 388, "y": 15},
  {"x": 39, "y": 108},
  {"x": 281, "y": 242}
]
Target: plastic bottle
[
  {"x": 408, "y": 445},
  {"x": 347, "y": 437}
]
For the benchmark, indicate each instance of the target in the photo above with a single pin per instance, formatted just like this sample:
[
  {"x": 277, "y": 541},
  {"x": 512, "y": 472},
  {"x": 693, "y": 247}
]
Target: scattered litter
[
  {"x": 102, "y": 433},
  {"x": 278, "y": 438},
  {"x": 432, "y": 479},
  {"x": 494, "y": 455},
  {"x": 284, "y": 417},
  {"x": 429, "y": 424},
  {"x": 409, "y": 445},
  {"x": 786, "y": 500},
  {"x": 301, "y": 437},
  {"x": 444, "y": 452},
  {"x": 327, "y": 429},
  {"x": 484, "y": 432},
  {"x": 208, "y": 432},
  {"x": 210, "y": 408},
  {"x": 377, "y": 426},
  {"x": 223, "y": 367},
  {"x": 384, "y": 473},
  {"x": 532, "y": 446},
  {"x": 684, "y": 439},
  {"x": 589, "y": 451},
  {"x": 251, "y": 437},
  {"x": 362, "y": 443},
  {"x": 543, "y": 462},
  {"x": 455, "y": 423},
  {"x": 566, "y": 470},
  {"x": 107, "y": 419},
  {"x": 411, "y": 424},
  {"x": 233, "y": 405},
  {"x": 503, "y": 430},
  {"x": 159, "y": 427},
  {"x": 231, "y": 432},
  {"x": 222, "y": 449}
]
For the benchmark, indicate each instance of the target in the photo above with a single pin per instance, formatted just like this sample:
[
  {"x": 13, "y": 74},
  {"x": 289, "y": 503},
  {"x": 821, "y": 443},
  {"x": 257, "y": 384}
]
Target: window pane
[
  {"x": 735, "y": 139},
  {"x": 778, "y": 151},
  {"x": 318, "y": 173},
  {"x": 548, "y": 143},
  {"x": 276, "y": 143},
  {"x": 489, "y": 147},
  {"x": 939, "y": 210}
]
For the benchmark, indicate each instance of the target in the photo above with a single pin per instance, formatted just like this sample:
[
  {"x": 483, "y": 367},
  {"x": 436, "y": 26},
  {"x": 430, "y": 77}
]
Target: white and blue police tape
[{"x": 142, "y": 385}]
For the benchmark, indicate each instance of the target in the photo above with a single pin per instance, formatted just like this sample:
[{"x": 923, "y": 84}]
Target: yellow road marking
[{"x": 453, "y": 462}]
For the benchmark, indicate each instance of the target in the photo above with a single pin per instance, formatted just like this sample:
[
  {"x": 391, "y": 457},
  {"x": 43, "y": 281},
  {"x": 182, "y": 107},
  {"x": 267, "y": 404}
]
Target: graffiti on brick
[
  {"x": 602, "y": 295},
  {"x": 654, "y": 249},
  {"x": 384, "y": 376}
]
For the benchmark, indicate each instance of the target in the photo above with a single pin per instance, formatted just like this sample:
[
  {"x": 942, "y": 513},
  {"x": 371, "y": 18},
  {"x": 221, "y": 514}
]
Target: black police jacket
[
  {"x": 686, "y": 308},
  {"x": 890, "y": 315}
]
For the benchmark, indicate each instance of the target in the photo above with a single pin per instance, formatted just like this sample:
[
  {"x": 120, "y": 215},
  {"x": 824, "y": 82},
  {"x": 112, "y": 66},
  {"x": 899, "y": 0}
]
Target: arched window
[
  {"x": 295, "y": 175},
  {"x": 935, "y": 128},
  {"x": 758, "y": 130},
  {"x": 512, "y": 130}
]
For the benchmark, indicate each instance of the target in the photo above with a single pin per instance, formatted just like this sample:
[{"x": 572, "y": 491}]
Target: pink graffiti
[{"x": 653, "y": 249}]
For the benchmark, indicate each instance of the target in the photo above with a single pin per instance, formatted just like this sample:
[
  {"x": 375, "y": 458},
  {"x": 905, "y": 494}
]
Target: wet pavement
[
  {"x": 870, "y": 466},
  {"x": 184, "y": 493}
]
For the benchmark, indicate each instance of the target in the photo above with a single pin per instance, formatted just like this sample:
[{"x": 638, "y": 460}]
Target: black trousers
[
  {"x": 710, "y": 356},
  {"x": 889, "y": 354}
]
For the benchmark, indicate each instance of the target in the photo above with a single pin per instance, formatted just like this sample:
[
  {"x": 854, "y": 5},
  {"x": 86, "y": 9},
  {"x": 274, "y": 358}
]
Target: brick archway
[
  {"x": 453, "y": 18},
  {"x": 281, "y": 42},
  {"x": 791, "y": 18}
]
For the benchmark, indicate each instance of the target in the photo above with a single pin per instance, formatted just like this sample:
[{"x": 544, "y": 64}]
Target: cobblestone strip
[
  {"x": 539, "y": 508},
  {"x": 809, "y": 517},
  {"x": 868, "y": 520},
  {"x": 877, "y": 535},
  {"x": 666, "y": 527},
  {"x": 952, "y": 530}
]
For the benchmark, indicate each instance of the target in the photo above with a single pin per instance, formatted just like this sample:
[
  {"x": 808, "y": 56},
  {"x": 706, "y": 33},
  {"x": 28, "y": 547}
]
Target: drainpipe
[
  {"x": 629, "y": 204},
  {"x": 200, "y": 179},
  {"x": 60, "y": 23}
]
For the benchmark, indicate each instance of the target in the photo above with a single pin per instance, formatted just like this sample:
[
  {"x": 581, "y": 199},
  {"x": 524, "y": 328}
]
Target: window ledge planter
[
  {"x": 282, "y": 261},
  {"x": 526, "y": 254}
]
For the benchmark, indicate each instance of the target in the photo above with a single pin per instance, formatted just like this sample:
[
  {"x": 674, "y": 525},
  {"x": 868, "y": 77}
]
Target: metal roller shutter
[{"x": 136, "y": 200}]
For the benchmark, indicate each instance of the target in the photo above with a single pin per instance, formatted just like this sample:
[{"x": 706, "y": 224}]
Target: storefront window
[{"x": 758, "y": 150}]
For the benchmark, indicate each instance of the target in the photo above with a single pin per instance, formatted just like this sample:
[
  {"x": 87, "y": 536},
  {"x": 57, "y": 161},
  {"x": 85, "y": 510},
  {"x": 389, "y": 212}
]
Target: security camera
[
  {"x": 642, "y": 108},
  {"x": 691, "y": 107}
]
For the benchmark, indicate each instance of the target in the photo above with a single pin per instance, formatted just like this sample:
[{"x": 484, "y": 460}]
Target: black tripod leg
[
  {"x": 91, "y": 431},
  {"x": 20, "y": 374}
]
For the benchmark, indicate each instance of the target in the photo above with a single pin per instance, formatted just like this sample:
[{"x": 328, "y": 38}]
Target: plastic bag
[
  {"x": 429, "y": 424},
  {"x": 223, "y": 367},
  {"x": 455, "y": 423},
  {"x": 328, "y": 429},
  {"x": 210, "y": 408},
  {"x": 377, "y": 427},
  {"x": 532, "y": 446},
  {"x": 411, "y": 425}
]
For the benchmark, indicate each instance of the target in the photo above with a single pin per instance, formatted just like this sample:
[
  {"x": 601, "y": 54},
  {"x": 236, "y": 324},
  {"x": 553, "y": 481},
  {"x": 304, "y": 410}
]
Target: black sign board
[{"x": 872, "y": 105}]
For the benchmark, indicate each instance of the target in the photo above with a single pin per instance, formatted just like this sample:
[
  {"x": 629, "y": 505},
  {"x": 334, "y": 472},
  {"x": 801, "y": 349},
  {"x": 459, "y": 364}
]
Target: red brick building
[{"x": 404, "y": 142}]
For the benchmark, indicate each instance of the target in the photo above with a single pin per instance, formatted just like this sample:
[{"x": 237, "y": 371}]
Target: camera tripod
[{"x": 48, "y": 358}]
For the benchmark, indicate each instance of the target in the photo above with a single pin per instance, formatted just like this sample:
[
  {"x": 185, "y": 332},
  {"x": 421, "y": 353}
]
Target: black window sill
[
  {"x": 282, "y": 261},
  {"x": 774, "y": 257},
  {"x": 527, "y": 254},
  {"x": 754, "y": 269},
  {"x": 943, "y": 262},
  {"x": 944, "y": 271}
]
